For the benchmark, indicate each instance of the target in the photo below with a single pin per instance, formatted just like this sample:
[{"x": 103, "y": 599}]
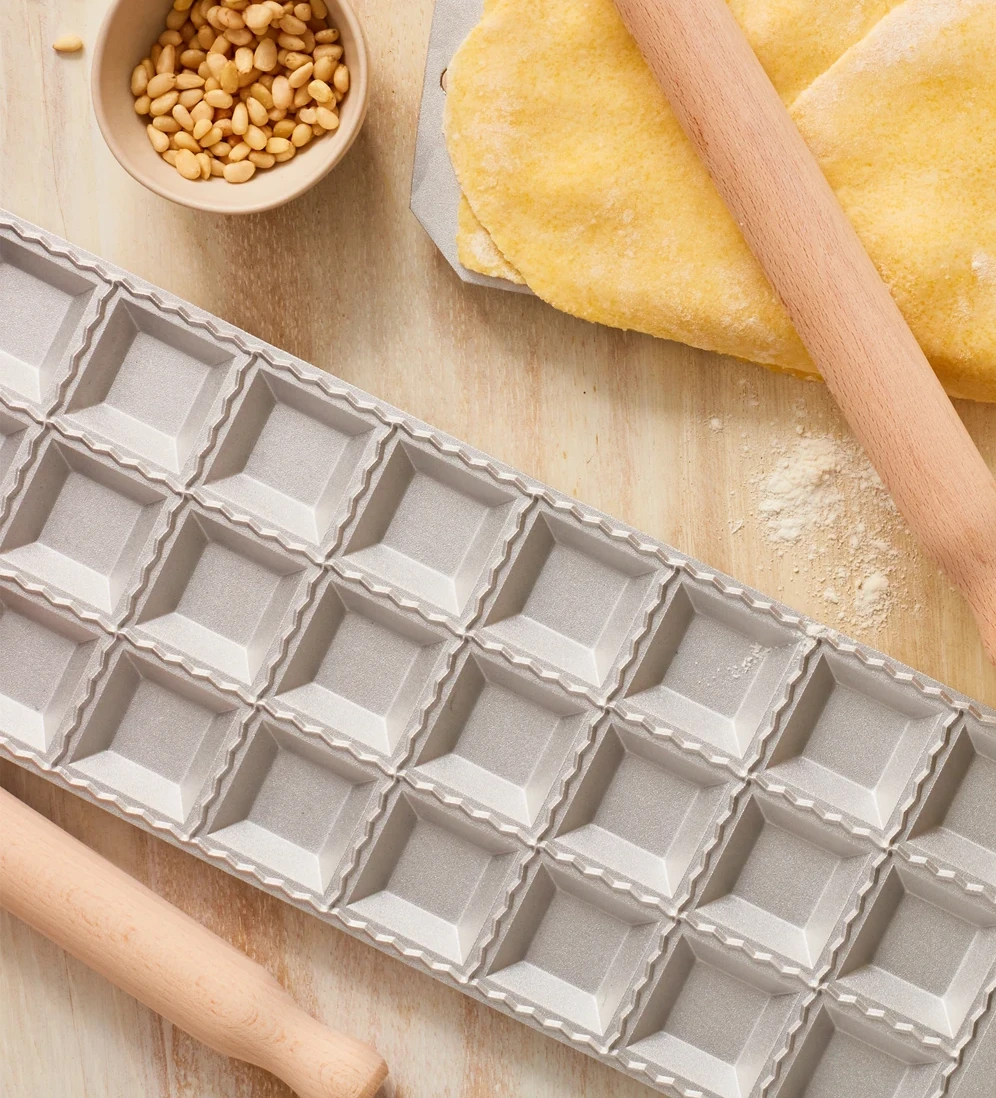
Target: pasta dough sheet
[{"x": 579, "y": 181}]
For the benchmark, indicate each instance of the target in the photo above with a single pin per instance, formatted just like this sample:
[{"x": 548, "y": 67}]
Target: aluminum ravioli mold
[{"x": 521, "y": 746}]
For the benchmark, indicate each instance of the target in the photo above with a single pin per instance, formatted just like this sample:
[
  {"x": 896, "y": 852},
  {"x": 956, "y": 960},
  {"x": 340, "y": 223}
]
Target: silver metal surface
[{"x": 504, "y": 737}]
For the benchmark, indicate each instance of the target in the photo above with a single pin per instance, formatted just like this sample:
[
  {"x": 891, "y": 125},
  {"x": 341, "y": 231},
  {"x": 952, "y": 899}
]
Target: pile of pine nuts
[{"x": 231, "y": 86}]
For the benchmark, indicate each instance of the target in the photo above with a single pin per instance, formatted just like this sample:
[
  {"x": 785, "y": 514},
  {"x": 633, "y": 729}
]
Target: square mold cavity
[
  {"x": 573, "y": 950},
  {"x": 361, "y": 669},
  {"x": 46, "y": 661},
  {"x": 786, "y": 881},
  {"x": 150, "y": 386},
  {"x": 432, "y": 528},
  {"x": 292, "y": 805},
  {"x": 83, "y": 526},
  {"x": 292, "y": 458},
  {"x": 712, "y": 670},
  {"x": 858, "y": 741},
  {"x": 956, "y": 827},
  {"x": 714, "y": 1020},
  {"x": 501, "y": 737},
  {"x": 43, "y": 309},
  {"x": 924, "y": 951},
  {"x": 154, "y": 736},
  {"x": 572, "y": 599},
  {"x": 222, "y": 598},
  {"x": 434, "y": 878},
  {"x": 845, "y": 1056},
  {"x": 643, "y": 811}
]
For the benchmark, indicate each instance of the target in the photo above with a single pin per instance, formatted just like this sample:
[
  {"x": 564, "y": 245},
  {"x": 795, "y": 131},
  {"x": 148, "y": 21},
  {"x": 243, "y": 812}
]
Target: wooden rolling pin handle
[
  {"x": 165, "y": 959},
  {"x": 841, "y": 308}
]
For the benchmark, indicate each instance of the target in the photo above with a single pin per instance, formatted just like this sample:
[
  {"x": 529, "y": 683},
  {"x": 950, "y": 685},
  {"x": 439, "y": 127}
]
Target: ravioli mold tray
[{"x": 511, "y": 741}]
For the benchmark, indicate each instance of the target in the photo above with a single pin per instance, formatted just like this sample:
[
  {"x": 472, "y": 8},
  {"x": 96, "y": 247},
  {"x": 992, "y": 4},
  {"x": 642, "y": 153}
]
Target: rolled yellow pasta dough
[{"x": 574, "y": 165}]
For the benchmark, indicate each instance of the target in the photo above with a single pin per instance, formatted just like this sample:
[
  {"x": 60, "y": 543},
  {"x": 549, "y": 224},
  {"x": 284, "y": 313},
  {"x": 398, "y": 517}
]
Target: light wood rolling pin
[
  {"x": 841, "y": 308},
  {"x": 170, "y": 962}
]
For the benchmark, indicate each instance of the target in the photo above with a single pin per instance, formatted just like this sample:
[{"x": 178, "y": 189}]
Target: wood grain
[{"x": 346, "y": 279}]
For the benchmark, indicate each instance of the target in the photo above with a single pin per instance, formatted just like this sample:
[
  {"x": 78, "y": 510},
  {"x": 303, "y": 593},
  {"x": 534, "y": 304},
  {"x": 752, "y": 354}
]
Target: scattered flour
[{"x": 823, "y": 504}]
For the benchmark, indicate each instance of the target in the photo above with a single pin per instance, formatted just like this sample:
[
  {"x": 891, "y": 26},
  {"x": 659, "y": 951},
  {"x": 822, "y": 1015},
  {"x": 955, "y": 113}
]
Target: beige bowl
[{"x": 129, "y": 29}]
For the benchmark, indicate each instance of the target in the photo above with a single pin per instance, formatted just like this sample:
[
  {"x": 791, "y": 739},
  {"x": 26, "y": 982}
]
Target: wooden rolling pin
[
  {"x": 165, "y": 959},
  {"x": 841, "y": 308}
]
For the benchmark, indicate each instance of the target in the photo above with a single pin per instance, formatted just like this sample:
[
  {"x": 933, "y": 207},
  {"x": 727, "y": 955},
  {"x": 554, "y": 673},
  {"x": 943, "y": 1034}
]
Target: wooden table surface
[{"x": 675, "y": 441}]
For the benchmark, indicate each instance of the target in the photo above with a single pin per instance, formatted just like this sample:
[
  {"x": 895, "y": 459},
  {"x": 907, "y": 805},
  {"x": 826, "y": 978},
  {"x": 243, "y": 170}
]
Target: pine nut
[
  {"x": 229, "y": 78},
  {"x": 278, "y": 145},
  {"x": 257, "y": 112},
  {"x": 241, "y": 37},
  {"x": 243, "y": 60},
  {"x": 335, "y": 52},
  {"x": 204, "y": 161},
  {"x": 240, "y": 172},
  {"x": 201, "y": 127},
  {"x": 240, "y": 119},
  {"x": 324, "y": 68},
  {"x": 282, "y": 94},
  {"x": 255, "y": 138},
  {"x": 171, "y": 36},
  {"x": 320, "y": 91},
  {"x": 303, "y": 12},
  {"x": 265, "y": 57},
  {"x": 221, "y": 45},
  {"x": 218, "y": 98},
  {"x": 139, "y": 80},
  {"x": 164, "y": 104},
  {"x": 300, "y": 135},
  {"x": 167, "y": 60},
  {"x": 166, "y": 123},
  {"x": 221, "y": 150},
  {"x": 202, "y": 113},
  {"x": 187, "y": 81},
  {"x": 294, "y": 59},
  {"x": 182, "y": 5},
  {"x": 160, "y": 140},
  {"x": 182, "y": 115},
  {"x": 170, "y": 157},
  {"x": 262, "y": 159},
  {"x": 309, "y": 116},
  {"x": 191, "y": 98},
  {"x": 325, "y": 36},
  {"x": 142, "y": 104},
  {"x": 160, "y": 85},
  {"x": 240, "y": 152},
  {"x": 302, "y": 97},
  {"x": 183, "y": 140},
  {"x": 299, "y": 77},
  {"x": 68, "y": 43},
  {"x": 341, "y": 79},
  {"x": 262, "y": 93},
  {"x": 318, "y": 9},
  {"x": 217, "y": 168},
  {"x": 186, "y": 164},
  {"x": 327, "y": 119},
  {"x": 282, "y": 158},
  {"x": 283, "y": 128},
  {"x": 212, "y": 137},
  {"x": 257, "y": 18}
]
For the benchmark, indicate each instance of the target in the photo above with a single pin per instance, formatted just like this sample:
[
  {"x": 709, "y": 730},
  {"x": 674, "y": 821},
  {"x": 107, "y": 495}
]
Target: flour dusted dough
[{"x": 574, "y": 165}]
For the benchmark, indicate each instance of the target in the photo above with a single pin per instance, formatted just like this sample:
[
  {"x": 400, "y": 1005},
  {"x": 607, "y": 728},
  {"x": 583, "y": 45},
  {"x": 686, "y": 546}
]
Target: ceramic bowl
[{"x": 126, "y": 36}]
